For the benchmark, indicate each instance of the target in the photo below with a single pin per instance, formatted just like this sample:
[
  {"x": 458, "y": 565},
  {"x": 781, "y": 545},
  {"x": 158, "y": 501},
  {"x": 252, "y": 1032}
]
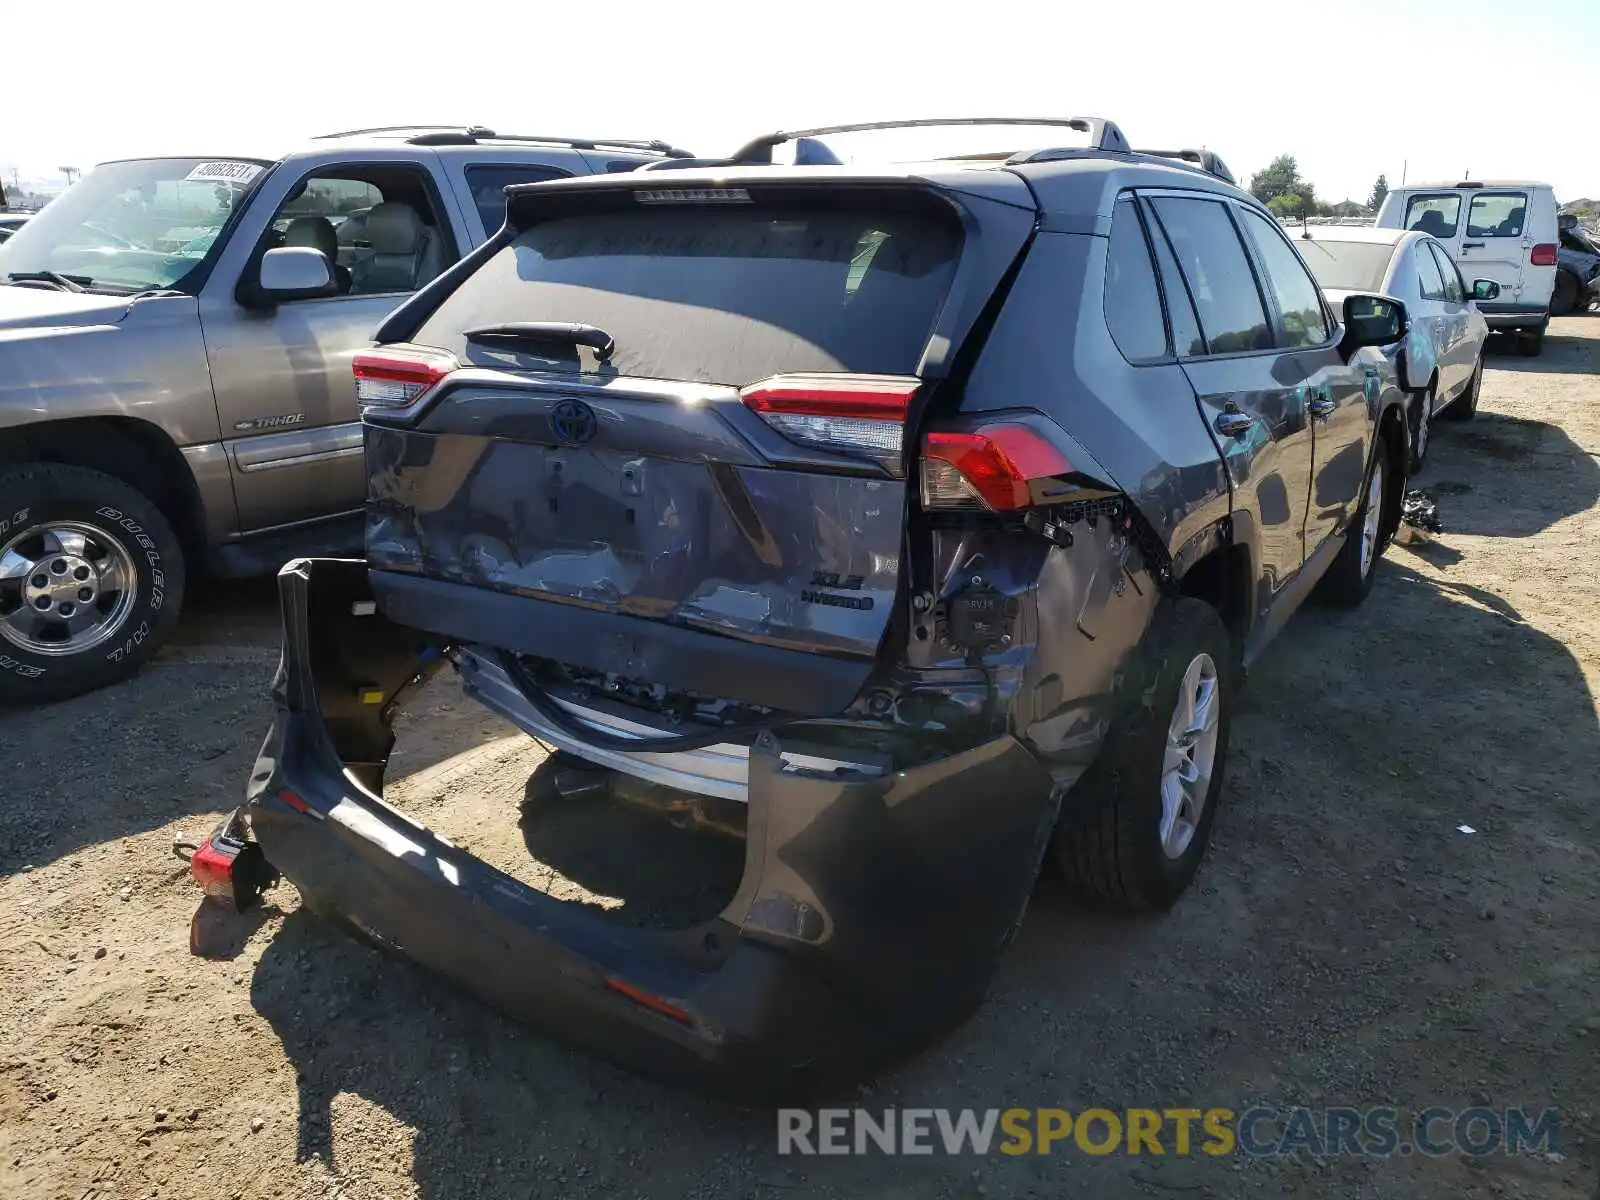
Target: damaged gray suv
[{"x": 916, "y": 523}]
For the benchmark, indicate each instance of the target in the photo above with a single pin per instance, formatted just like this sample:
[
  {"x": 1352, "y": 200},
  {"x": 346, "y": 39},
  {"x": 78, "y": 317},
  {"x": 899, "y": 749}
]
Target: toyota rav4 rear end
[{"x": 675, "y": 475}]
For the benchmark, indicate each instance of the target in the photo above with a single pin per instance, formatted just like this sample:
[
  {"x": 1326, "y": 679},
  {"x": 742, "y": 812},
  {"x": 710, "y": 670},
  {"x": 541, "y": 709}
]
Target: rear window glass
[
  {"x": 1437, "y": 215},
  {"x": 1500, "y": 214},
  {"x": 1347, "y": 266},
  {"x": 722, "y": 296}
]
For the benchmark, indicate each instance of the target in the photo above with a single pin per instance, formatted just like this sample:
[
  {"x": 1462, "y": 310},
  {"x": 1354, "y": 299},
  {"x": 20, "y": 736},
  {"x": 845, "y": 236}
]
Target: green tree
[
  {"x": 1281, "y": 177},
  {"x": 1288, "y": 204},
  {"x": 1379, "y": 191}
]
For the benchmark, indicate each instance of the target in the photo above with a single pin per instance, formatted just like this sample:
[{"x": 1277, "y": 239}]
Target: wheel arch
[
  {"x": 1217, "y": 565},
  {"x": 135, "y": 451},
  {"x": 1393, "y": 442}
]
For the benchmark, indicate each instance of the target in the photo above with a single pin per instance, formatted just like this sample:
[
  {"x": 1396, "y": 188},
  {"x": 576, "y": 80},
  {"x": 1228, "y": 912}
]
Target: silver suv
[{"x": 175, "y": 389}]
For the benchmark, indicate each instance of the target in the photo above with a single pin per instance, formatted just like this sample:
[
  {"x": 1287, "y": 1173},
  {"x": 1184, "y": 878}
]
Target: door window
[
  {"x": 1133, "y": 304},
  {"x": 1232, "y": 315},
  {"x": 1454, "y": 290},
  {"x": 1428, "y": 276},
  {"x": 380, "y": 226},
  {"x": 1299, "y": 301},
  {"x": 1437, "y": 215},
  {"x": 1497, "y": 215},
  {"x": 489, "y": 183},
  {"x": 1180, "y": 307}
]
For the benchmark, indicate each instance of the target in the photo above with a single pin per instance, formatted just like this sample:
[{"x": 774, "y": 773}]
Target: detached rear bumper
[{"x": 868, "y": 921}]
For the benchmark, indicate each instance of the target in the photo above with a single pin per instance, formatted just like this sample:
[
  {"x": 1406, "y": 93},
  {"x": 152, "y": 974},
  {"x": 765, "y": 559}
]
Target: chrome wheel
[
  {"x": 1191, "y": 756},
  {"x": 1372, "y": 518},
  {"x": 65, "y": 587}
]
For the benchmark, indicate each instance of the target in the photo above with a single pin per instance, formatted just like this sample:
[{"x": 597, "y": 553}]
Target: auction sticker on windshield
[{"x": 225, "y": 172}]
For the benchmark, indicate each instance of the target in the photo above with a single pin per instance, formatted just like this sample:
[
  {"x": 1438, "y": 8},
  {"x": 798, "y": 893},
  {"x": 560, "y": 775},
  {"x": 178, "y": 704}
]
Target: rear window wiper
[
  {"x": 567, "y": 333},
  {"x": 65, "y": 283}
]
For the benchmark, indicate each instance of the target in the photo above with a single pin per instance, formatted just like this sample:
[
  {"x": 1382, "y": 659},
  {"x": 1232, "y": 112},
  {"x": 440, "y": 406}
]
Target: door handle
[
  {"x": 1472, "y": 245},
  {"x": 1231, "y": 422}
]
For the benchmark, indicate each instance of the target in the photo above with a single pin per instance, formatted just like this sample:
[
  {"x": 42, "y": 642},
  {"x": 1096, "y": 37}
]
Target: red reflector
[
  {"x": 998, "y": 465},
  {"x": 864, "y": 397},
  {"x": 212, "y": 868},
  {"x": 652, "y": 1002},
  {"x": 293, "y": 801},
  {"x": 1543, "y": 255}
]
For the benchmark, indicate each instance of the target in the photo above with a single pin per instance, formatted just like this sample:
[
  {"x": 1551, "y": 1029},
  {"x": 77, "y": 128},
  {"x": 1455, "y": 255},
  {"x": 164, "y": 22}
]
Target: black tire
[
  {"x": 1565, "y": 297},
  {"x": 1421, "y": 425},
  {"x": 1465, "y": 406},
  {"x": 142, "y": 613},
  {"x": 1530, "y": 342},
  {"x": 1349, "y": 578},
  {"x": 1109, "y": 844}
]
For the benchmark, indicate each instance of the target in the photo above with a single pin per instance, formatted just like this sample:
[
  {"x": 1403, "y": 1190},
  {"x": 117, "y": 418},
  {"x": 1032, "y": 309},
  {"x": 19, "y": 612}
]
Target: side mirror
[
  {"x": 294, "y": 273},
  {"x": 1485, "y": 289},
  {"x": 1372, "y": 321}
]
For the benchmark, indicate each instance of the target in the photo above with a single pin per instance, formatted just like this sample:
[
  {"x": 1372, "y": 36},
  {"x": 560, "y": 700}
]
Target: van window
[
  {"x": 1436, "y": 214},
  {"x": 1497, "y": 214}
]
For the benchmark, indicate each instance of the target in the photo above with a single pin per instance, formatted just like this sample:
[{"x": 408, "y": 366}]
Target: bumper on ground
[{"x": 869, "y": 918}]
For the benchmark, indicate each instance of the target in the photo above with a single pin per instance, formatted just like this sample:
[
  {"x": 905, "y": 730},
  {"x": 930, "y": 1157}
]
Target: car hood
[{"x": 37, "y": 307}]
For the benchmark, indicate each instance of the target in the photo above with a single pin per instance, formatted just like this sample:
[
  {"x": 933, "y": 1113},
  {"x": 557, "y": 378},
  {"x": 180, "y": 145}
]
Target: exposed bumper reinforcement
[{"x": 868, "y": 921}]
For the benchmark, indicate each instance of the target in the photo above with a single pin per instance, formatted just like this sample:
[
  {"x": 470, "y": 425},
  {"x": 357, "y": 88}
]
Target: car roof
[
  {"x": 1475, "y": 185},
  {"x": 421, "y": 137},
  {"x": 1353, "y": 233}
]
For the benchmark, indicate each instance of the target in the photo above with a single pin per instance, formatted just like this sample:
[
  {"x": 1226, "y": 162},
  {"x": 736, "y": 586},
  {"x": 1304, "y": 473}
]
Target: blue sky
[{"x": 1351, "y": 87}]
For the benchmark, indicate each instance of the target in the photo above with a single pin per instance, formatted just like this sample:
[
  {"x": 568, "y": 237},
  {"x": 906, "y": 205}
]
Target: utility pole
[{"x": 71, "y": 173}]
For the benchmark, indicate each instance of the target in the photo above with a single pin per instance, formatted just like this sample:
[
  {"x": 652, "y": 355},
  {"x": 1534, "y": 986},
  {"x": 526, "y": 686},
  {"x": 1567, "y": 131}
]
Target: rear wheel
[
  {"x": 1350, "y": 577},
  {"x": 1421, "y": 425},
  {"x": 91, "y": 581},
  {"x": 1136, "y": 827},
  {"x": 1530, "y": 342},
  {"x": 1466, "y": 405},
  {"x": 1565, "y": 298}
]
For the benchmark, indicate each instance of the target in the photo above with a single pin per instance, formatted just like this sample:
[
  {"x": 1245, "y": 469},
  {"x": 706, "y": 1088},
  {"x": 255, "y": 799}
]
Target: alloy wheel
[
  {"x": 65, "y": 587},
  {"x": 1191, "y": 755}
]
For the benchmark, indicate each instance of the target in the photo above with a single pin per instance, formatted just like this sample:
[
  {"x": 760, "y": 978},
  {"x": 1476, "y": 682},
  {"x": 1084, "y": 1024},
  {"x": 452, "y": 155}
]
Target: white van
[{"x": 1499, "y": 230}]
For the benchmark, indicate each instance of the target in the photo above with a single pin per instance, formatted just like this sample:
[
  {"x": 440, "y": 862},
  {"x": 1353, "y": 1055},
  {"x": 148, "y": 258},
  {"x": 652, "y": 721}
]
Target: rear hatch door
[{"x": 705, "y": 488}]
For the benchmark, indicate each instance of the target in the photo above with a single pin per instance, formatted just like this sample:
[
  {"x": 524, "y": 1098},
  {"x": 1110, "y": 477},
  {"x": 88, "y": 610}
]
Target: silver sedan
[{"x": 1441, "y": 361}]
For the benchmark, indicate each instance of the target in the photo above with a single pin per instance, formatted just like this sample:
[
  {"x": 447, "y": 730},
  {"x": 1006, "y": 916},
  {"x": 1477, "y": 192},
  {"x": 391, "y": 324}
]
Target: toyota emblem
[{"x": 573, "y": 422}]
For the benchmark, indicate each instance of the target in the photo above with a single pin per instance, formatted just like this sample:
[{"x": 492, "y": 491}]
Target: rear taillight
[
  {"x": 395, "y": 378},
  {"x": 854, "y": 414},
  {"x": 1001, "y": 468},
  {"x": 1543, "y": 255}
]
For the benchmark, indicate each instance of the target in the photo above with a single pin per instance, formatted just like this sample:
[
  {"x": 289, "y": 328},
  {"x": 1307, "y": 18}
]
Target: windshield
[
  {"x": 1347, "y": 266},
  {"x": 132, "y": 226}
]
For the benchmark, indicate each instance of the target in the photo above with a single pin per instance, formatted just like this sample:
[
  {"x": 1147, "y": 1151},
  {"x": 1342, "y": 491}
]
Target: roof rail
[
  {"x": 1103, "y": 134},
  {"x": 1207, "y": 160},
  {"x": 469, "y": 135}
]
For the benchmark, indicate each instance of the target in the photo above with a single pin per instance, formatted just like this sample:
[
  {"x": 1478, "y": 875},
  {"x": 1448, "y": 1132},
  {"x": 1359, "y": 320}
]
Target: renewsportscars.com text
[{"x": 1257, "y": 1132}]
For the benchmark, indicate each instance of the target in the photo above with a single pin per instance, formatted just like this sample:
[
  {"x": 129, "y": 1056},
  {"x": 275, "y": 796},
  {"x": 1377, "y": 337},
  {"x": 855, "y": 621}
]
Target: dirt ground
[{"x": 1345, "y": 945}]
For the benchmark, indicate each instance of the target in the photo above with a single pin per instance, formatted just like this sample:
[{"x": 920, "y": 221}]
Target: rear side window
[
  {"x": 1434, "y": 214},
  {"x": 1454, "y": 291},
  {"x": 1133, "y": 303},
  {"x": 488, "y": 185},
  {"x": 1180, "y": 308},
  {"x": 721, "y": 294},
  {"x": 1497, "y": 214},
  {"x": 1299, "y": 301},
  {"x": 1428, "y": 273},
  {"x": 1214, "y": 264}
]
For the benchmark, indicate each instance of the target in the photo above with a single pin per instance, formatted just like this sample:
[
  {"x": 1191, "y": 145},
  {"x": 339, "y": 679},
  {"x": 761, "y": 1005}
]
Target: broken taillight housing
[
  {"x": 999, "y": 468},
  {"x": 229, "y": 866},
  {"x": 851, "y": 414},
  {"x": 390, "y": 379},
  {"x": 1543, "y": 255}
]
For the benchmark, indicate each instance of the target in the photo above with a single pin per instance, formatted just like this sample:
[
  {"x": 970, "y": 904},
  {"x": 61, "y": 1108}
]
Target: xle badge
[{"x": 832, "y": 579}]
